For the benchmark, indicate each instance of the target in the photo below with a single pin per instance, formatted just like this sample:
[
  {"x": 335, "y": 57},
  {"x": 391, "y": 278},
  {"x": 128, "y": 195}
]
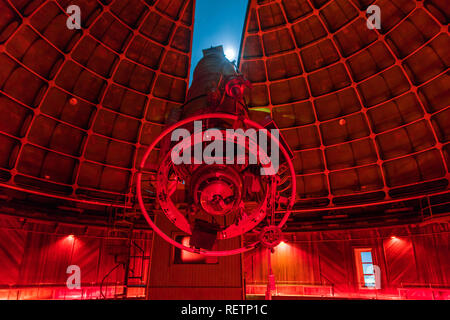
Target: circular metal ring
[{"x": 201, "y": 117}]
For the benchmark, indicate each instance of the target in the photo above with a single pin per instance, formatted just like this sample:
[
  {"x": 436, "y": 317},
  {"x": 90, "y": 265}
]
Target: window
[{"x": 364, "y": 268}]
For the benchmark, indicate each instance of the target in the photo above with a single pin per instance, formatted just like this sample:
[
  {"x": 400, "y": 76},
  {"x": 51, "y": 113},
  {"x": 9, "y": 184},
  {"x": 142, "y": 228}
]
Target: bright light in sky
[
  {"x": 230, "y": 53},
  {"x": 218, "y": 23}
]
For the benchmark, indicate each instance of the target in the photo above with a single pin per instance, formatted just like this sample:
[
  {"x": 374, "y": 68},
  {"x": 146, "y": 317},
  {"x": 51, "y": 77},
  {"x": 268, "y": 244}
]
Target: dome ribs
[
  {"x": 390, "y": 85},
  {"x": 95, "y": 92},
  {"x": 366, "y": 112}
]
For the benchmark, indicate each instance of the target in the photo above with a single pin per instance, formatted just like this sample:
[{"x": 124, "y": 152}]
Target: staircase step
[
  {"x": 124, "y": 223},
  {"x": 119, "y": 233},
  {"x": 137, "y": 286}
]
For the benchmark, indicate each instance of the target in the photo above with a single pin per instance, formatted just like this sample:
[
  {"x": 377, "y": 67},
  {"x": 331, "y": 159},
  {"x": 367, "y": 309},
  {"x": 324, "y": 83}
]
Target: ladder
[{"x": 128, "y": 254}]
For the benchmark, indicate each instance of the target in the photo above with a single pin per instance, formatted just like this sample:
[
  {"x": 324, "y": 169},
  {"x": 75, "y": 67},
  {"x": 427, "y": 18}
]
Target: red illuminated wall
[
  {"x": 34, "y": 257},
  {"x": 169, "y": 280},
  {"x": 323, "y": 263}
]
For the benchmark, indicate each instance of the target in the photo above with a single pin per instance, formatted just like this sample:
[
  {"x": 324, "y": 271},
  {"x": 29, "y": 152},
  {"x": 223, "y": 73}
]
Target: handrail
[
  {"x": 137, "y": 246},
  {"x": 406, "y": 285},
  {"x": 291, "y": 283},
  {"x": 106, "y": 276}
]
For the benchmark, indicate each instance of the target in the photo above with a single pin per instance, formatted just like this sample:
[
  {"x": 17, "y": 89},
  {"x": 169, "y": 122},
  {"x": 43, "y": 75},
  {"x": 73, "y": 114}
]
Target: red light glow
[
  {"x": 73, "y": 101},
  {"x": 189, "y": 257},
  {"x": 282, "y": 245}
]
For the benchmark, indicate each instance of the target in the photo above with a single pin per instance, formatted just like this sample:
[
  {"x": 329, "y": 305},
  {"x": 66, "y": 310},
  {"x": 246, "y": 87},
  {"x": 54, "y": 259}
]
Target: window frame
[{"x": 360, "y": 275}]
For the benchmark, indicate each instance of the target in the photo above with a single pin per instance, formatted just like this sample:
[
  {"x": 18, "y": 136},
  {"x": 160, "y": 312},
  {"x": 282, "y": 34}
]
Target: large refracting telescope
[{"x": 219, "y": 175}]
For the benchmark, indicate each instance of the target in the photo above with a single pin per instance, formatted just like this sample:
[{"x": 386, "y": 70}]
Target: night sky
[{"x": 218, "y": 22}]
